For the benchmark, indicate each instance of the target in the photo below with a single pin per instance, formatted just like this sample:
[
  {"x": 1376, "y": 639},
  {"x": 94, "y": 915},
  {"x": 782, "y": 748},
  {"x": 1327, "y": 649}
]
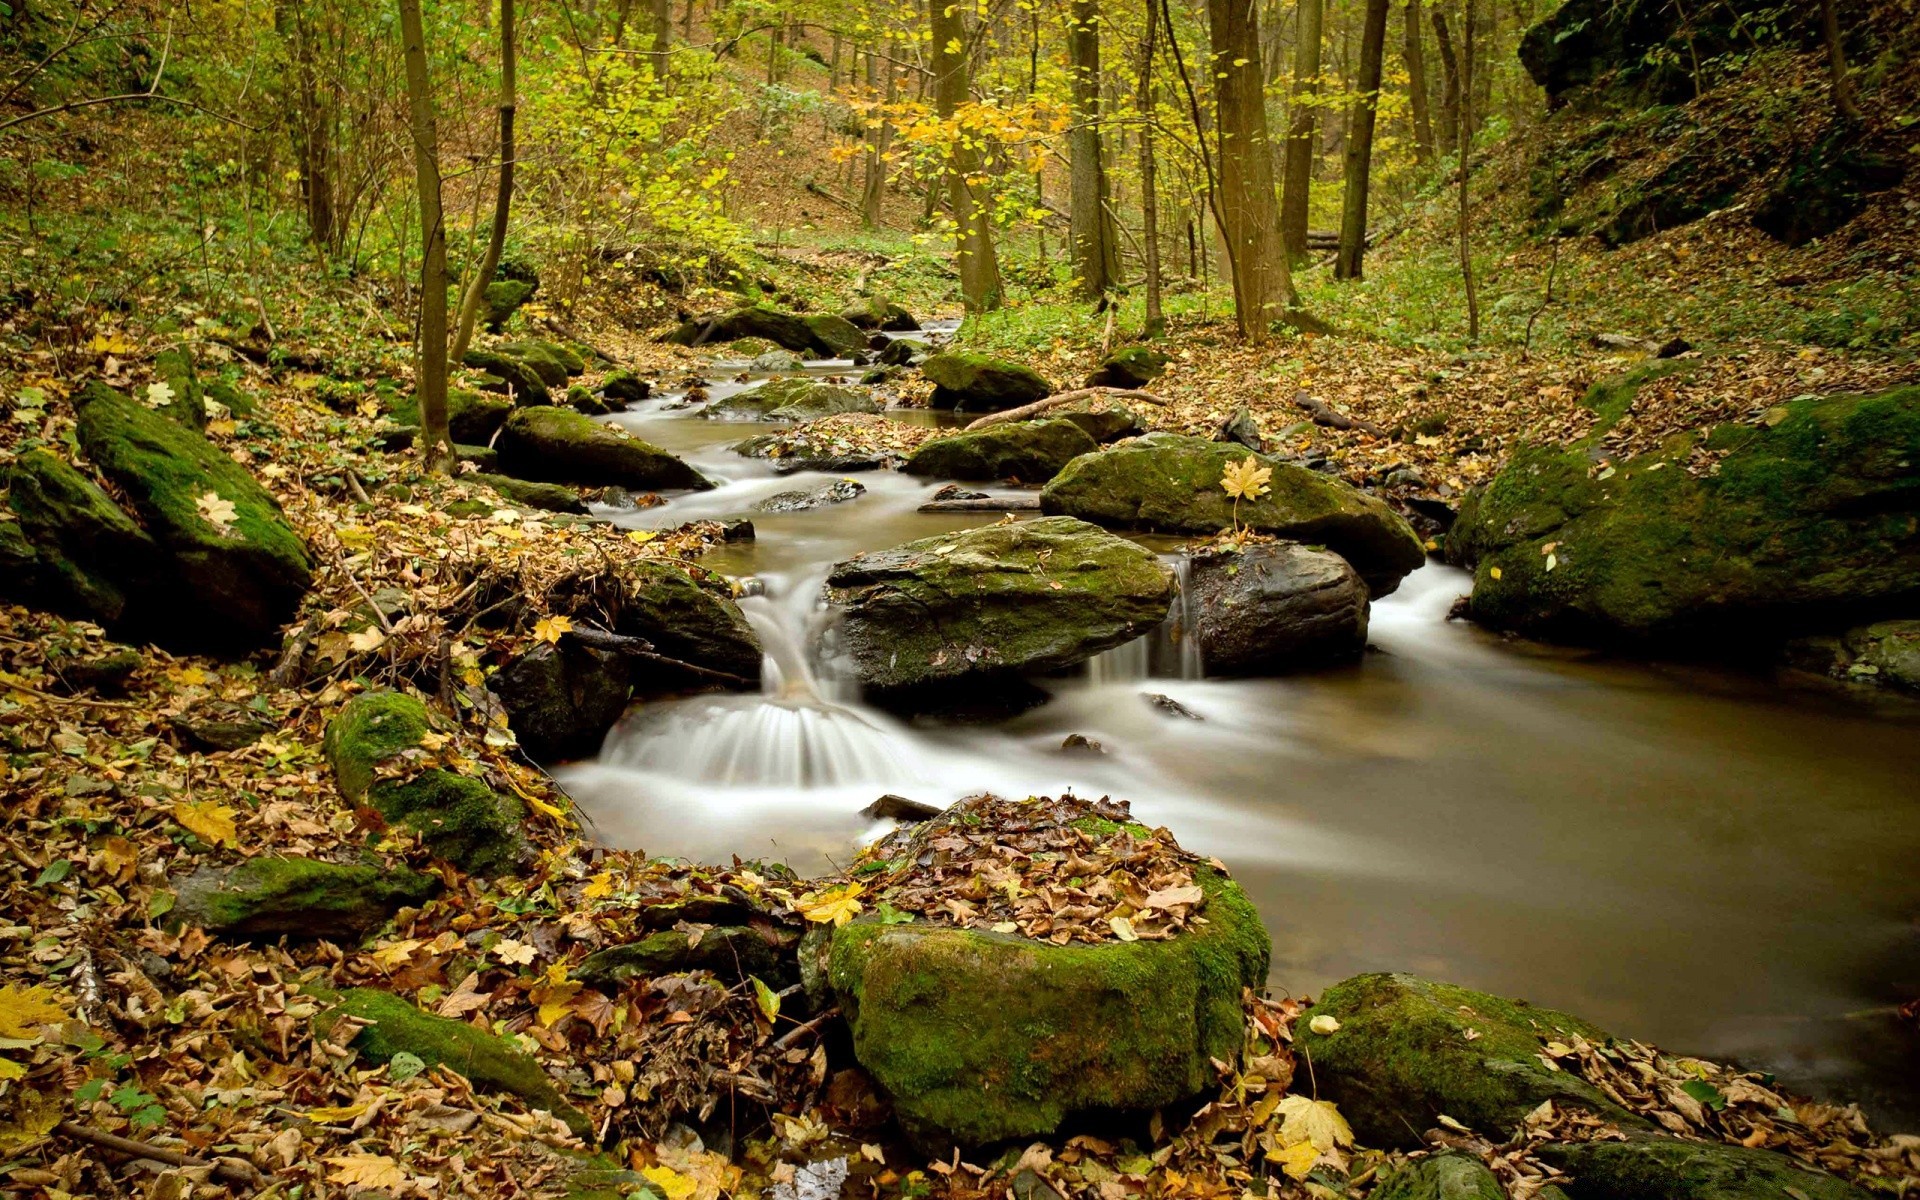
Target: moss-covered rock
[
  {"x": 555, "y": 445},
  {"x": 683, "y": 620},
  {"x": 979, "y": 1037},
  {"x": 624, "y": 387},
  {"x": 1104, "y": 418},
  {"x": 797, "y": 400},
  {"x": 370, "y": 745},
  {"x": 876, "y": 313},
  {"x": 837, "y": 334},
  {"x": 790, "y": 330},
  {"x": 492, "y": 1063},
  {"x": 507, "y": 374},
  {"x": 979, "y": 604},
  {"x": 555, "y": 361},
  {"x": 1440, "y": 1177},
  {"x": 1808, "y": 520},
  {"x": 88, "y": 556},
  {"x": 1402, "y": 1056},
  {"x": 301, "y": 897},
  {"x": 472, "y": 417},
  {"x": 979, "y": 383},
  {"x": 188, "y": 404},
  {"x": 240, "y": 576},
  {"x": 503, "y": 298},
  {"x": 1021, "y": 451},
  {"x": 731, "y": 951},
  {"x": 1171, "y": 484},
  {"x": 551, "y": 497},
  {"x": 1129, "y": 367},
  {"x": 1649, "y": 1166}
]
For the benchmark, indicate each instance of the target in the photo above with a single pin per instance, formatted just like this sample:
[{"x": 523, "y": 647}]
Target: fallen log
[
  {"x": 1318, "y": 412},
  {"x": 985, "y": 504},
  {"x": 1027, "y": 411}
]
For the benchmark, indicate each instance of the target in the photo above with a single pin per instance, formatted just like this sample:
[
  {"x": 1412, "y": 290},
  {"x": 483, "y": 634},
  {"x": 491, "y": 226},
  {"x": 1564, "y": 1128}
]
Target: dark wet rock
[
  {"x": 900, "y": 352},
  {"x": 85, "y": 556},
  {"x": 1242, "y": 429},
  {"x": 1168, "y": 483},
  {"x": 824, "y": 337},
  {"x": 624, "y": 387},
  {"x": 1806, "y": 522},
  {"x": 762, "y": 951},
  {"x": 583, "y": 399},
  {"x": 1401, "y": 1057},
  {"x": 1886, "y": 653},
  {"x": 838, "y": 491},
  {"x": 1080, "y": 743},
  {"x": 273, "y": 896},
  {"x": 550, "y": 497},
  {"x": 978, "y": 383},
  {"x": 1652, "y": 1167},
  {"x": 1130, "y": 367},
  {"x": 841, "y": 337},
  {"x": 458, "y": 817},
  {"x": 883, "y": 315},
  {"x": 736, "y": 531},
  {"x": 394, "y": 1027},
  {"x": 105, "y": 674},
  {"x": 1021, "y": 451},
  {"x": 1440, "y": 1177},
  {"x": 899, "y": 808},
  {"x": 213, "y": 725},
  {"x": 554, "y": 445},
  {"x": 954, "y": 491},
  {"x": 507, "y": 374},
  {"x": 561, "y": 699},
  {"x": 1171, "y": 707},
  {"x": 1273, "y": 608},
  {"x": 976, "y": 606}
]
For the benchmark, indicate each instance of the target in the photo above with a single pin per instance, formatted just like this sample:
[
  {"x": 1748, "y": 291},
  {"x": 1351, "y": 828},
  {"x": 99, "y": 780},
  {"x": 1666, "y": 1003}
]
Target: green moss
[
  {"x": 290, "y": 895},
  {"x": 188, "y": 406},
  {"x": 1652, "y": 1167},
  {"x": 1022, "y": 451},
  {"x": 503, "y": 298},
  {"x": 90, "y": 556},
  {"x": 459, "y": 818},
  {"x": 557, "y": 445},
  {"x": 472, "y": 417},
  {"x": 551, "y": 497},
  {"x": 523, "y": 379},
  {"x": 489, "y": 1061},
  {"x": 980, "y": 1037},
  {"x": 1440, "y": 1177},
  {"x": 837, "y": 335},
  {"x": 964, "y": 379},
  {"x": 1401, "y": 1057},
  {"x": 1610, "y": 398}
]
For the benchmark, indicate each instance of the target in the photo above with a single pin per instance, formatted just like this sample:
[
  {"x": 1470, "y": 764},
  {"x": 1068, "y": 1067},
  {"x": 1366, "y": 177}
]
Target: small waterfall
[{"x": 1170, "y": 651}]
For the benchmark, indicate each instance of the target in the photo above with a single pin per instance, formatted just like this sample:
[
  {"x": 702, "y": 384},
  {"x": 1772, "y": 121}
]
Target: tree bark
[
  {"x": 1449, "y": 81},
  {"x": 967, "y": 190},
  {"x": 430, "y": 373},
  {"x": 879, "y": 137},
  {"x": 662, "y": 52},
  {"x": 1156, "y": 321},
  {"x": 1360, "y": 122},
  {"x": 1415, "y": 55},
  {"x": 1481, "y": 15},
  {"x": 1301, "y": 143},
  {"x": 1844, "y": 101},
  {"x": 1244, "y": 204},
  {"x": 1096, "y": 264},
  {"x": 1464, "y": 124},
  {"x": 503, "y": 197}
]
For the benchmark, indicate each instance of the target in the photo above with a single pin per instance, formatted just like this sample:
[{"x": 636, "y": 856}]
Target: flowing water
[{"x": 1689, "y": 856}]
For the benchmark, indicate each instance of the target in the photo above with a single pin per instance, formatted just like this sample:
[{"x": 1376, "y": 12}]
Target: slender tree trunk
[
  {"x": 1360, "y": 122},
  {"x": 1465, "y": 125},
  {"x": 1244, "y": 203},
  {"x": 1449, "y": 81},
  {"x": 1844, "y": 101},
  {"x": 662, "y": 50},
  {"x": 1095, "y": 258},
  {"x": 967, "y": 187},
  {"x": 1301, "y": 142},
  {"x": 312, "y": 145},
  {"x": 879, "y": 137},
  {"x": 503, "y": 198},
  {"x": 430, "y": 375},
  {"x": 1156, "y": 321},
  {"x": 1482, "y": 15},
  {"x": 1415, "y": 55}
]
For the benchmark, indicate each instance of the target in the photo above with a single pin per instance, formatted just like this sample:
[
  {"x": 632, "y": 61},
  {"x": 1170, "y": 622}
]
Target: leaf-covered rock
[
  {"x": 1021, "y": 452},
  {"x": 730, "y": 951},
  {"x": 1169, "y": 483},
  {"x": 978, "y": 383},
  {"x": 556, "y": 445},
  {"x": 272, "y": 895}
]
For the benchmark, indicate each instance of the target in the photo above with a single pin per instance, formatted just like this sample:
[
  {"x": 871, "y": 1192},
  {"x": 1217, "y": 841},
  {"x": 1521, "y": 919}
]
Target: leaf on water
[{"x": 209, "y": 821}]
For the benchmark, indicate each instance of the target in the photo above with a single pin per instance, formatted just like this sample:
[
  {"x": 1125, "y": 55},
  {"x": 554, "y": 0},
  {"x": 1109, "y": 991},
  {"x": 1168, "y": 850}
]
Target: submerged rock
[
  {"x": 1807, "y": 520},
  {"x": 1169, "y": 483},
  {"x": 981, "y": 604},
  {"x": 555, "y": 445},
  {"x": 301, "y": 897},
  {"x": 1020, "y": 452},
  {"x": 978, "y": 383},
  {"x": 1275, "y": 608},
  {"x": 459, "y": 818}
]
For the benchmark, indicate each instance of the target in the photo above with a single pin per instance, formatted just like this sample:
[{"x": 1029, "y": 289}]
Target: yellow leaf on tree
[
  {"x": 1246, "y": 480},
  {"x": 209, "y": 821},
  {"x": 837, "y": 905},
  {"x": 376, "y": 1172},
  {"x": 550, "y": 629},
  {"x": 24, "y": 1010}
]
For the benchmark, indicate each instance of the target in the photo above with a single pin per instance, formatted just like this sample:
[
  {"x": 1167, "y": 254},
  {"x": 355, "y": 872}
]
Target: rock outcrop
[
  {"x": 557, "y": 445},
  {"x": 1019, "y": 452},
  {"x": 1274, "y": 608},
  {"x": 978, "y": 383},
  {"x": 272, "y": 896}
]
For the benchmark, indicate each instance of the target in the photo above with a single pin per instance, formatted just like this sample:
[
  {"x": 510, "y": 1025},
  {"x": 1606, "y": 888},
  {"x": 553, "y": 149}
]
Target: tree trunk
[
  {"x": 1095, "y": 258},
  {"x": 430, "y": 373},
  {"x": 503, "y": 198},
  {"x": 1156, "y": 321},
  {"x": 1300, "y": 129},
  {"x": 1366, "y": 108},
  {"x": 662, "y": 53},
  {"x": 967, "y": 190},
  {"x": 879, "y": 136},
  {"x": 313, "y": 144},
  {"x": 1244, "y": 205},
  {"x": 1449, "y": 82},
  {"x": 1844, "y": 101},
  {"x": 1416, "y": 58},
  {"x": 1481, "y": 15},
  {"x": 1465, "y": 126}
]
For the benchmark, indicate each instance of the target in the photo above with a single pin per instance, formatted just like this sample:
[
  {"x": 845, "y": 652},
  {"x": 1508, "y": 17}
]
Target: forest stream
[{"x": 1717, "y": 863}]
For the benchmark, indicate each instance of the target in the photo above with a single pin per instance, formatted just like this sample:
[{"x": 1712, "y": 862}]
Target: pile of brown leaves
[{"x": 847, "y": 435}]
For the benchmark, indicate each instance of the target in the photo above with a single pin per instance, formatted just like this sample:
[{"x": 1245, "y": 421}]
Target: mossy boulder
[
  {"x": 1129, "y": 367},
  {"x": 371, "y": 744},
  {"x": 730, "y": 951},
  {"x": 977, "y": 605},
  {"x": 1402, "y": 1056},
  {"x": 509, "y": 375},
  {"x": 301, "y": 897},
  {"x": 1811, "y": 518},
  {"x": 472, "y": 417},
  {"x": 78, "y": 552},
  {"x": 555, "y": 445},
  {"x": 681, "y": 619},
  {"x": 795, "y": 400},
  {"x": 979, "y": 1037},
  {"x": 837, "y": 334},
  {"x": 790, "y": 330},
  {"x": 1104, "y": 418},
  {"x": 624, "y": 387},
  {"x": 550, "y": 497},
  {"x": 1169, "y": 483},
  {"x": 884, "y": 315},
  {"x": 188, "y": 405},
  {"x": 503, "y": 298},
  {"x": 233, "y": 579},
  {"x": 1021, "y": 451},
  {"x": 555, "y": 361},
  {"x": 1440, "y": 1177},
  {"x": 491, "y": 1062},
  {"x": 1649, "y": 1166},
  {"x": 979, "y": 383}
]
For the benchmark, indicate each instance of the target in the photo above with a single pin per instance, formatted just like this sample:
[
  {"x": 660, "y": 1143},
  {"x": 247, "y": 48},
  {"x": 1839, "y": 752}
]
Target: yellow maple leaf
[
  {"x": 10, "y": 1069},
  {"x": 672, "y": 1184},
  {"x": 375, "y": 1172},
  {"x": 550, "y": 629},
  {"x": 837, "y": 905},
  {"x": 554, "y": 994},
  {"x": 1296, "y": 1159},
  {"x": 209, "y": 821},
  {"x": 219, "y": 513},
  {"x": 599, "y": 887},
  {"x": 24, "y": 1010},
  {"x": 1246, "y": 480},
  {"x": 1317, "y": 1122}
]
